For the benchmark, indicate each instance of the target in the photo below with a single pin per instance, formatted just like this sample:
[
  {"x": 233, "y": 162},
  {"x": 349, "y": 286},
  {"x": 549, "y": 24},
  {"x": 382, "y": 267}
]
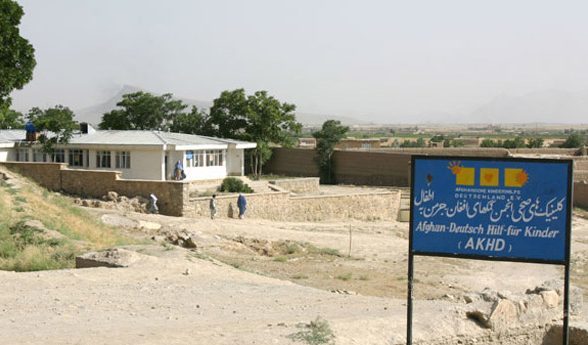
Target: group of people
[{"x": 241, "y": 205}]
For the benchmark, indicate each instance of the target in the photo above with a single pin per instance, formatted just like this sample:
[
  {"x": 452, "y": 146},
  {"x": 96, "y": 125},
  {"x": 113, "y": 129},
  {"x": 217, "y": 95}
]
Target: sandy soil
[{"x": 231, "y": 291}]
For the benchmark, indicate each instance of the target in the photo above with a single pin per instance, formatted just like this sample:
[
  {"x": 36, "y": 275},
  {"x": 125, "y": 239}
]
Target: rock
[
  {"x": 504, "y": 313},
  {"x": 149, "y": 225},
  {"x": 112, "y": 196},
  {"x": 550, "y": 298},
  {"x": 116, "y": 257},
  {"x": 118, "y": 221},
  {"x": 43, "y": 232},
  {"x": 182, "y": 239},
  {"x": 489, "y": 295},
  {"x": 471, "y": 297},
  {"x": 578, "y": 334}
]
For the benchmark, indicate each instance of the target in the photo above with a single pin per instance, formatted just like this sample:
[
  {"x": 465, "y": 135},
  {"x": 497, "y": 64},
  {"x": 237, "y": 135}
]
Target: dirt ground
[{"x": 255, "y": 281}]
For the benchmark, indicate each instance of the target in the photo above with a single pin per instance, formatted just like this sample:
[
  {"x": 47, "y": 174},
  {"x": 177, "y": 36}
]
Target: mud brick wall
[
  {"x": 281, "y": 207},
  {"x": 292, "y": 162},
  {"x": 96, "y": 183},
  {"x": 581, "y": 194},
  {"x": 371, "y": 168},
  {"x": 298, "y": 185}
]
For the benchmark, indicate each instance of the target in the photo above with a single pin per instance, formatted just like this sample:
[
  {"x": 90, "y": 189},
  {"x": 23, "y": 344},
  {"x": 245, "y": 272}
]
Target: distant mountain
[
  {"x": 547, "y": 106},
  {"x": 93, "y": 114}
]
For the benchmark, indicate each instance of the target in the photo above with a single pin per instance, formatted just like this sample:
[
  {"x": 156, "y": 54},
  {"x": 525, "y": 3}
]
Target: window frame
[
  {"x": 101, "y": 159},
  {"x": 122, "y": 160},
  {"x": 77, "y": 153},
  {"x": 58, "y": 153}
]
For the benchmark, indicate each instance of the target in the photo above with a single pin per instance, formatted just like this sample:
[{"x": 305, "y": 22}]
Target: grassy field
[{"x": 71, "y": 230}]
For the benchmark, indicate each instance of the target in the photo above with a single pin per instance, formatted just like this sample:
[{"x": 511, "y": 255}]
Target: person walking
[
  {"x": 213, "y": 206},
  {"x": 242, "y": 205}
]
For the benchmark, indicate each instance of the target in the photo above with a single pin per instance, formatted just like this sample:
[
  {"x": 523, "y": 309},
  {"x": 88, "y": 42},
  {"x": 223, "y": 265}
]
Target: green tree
[
  {"x": 143, "y": 111},
  {"x": 517, "y": 142},
  {"x": 190, "y": 123},
  {"x": 573, "y": 140},
  {"x": 260, "y": 118},
  {"x": 10, "y": 118},
  {"x": 420, "y": 142},
  {"x": 229, "y": 115},
  {"x": 326, "y": 139},
  {"x": 17, "y": 56},
  {"x": 55, "y": 124},
  {"x": 535, "y": 143}
]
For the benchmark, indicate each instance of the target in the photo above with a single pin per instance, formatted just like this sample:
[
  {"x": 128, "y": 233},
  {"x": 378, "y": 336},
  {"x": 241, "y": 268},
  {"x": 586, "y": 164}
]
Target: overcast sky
[{"x": 389, "y": 61}]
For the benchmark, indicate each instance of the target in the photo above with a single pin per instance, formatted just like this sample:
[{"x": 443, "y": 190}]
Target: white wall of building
[
  {"x": 204, "y": 172},
  {"x": 148, "y": 163},
  {"x": 145, "y": 164},
  {"x": 235, "y": 159},
  {"x": 5, "y": 154}
]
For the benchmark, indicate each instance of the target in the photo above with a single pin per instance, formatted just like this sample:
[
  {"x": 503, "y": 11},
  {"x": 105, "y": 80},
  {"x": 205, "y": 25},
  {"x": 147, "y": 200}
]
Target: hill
[{"x": 41, "y": 230}]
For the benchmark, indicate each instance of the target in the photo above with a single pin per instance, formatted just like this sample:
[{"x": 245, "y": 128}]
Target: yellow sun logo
[
  {"x": 455, "y": 167},
  {"x": 522, "y": 177}
]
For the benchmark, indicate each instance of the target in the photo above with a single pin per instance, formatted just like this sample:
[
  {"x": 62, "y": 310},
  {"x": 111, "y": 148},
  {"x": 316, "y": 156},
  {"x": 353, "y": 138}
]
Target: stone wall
[
  {"x": 46, "y": 174},
  {"x": 367, "y": 206},
  {"x": 96, "y": 183},
  {"x": 298, "y": 185},
  {"x": 259, "y": 205},
  {"x": 281, "y": 207}
]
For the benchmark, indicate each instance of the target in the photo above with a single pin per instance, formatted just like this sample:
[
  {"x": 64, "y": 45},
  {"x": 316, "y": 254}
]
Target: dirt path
[{"x": 177, "y": 296}]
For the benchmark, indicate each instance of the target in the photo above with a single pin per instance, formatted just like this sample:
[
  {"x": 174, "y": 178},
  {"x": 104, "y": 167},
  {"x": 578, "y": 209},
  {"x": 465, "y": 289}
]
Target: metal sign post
[{"x": 491, "y": 209}]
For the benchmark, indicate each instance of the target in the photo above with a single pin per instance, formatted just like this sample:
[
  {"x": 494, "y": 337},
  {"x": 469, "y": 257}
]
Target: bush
[{"x": 234, "y": 185}]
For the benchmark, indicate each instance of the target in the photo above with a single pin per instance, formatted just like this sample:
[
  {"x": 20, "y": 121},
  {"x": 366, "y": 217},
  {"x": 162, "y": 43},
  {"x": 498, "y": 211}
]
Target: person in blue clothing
[
  {"x": 178, "y": 170},
  {"x": 242, "y": 205}
]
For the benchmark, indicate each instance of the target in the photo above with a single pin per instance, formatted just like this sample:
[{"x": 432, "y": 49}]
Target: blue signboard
[{"x": 497, "y": 209}]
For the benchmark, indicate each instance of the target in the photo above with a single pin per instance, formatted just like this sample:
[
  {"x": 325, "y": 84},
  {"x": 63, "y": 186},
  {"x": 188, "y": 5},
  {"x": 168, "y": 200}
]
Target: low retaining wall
[
  {"x": 281, "y": 207},
  {"x": 259, "y": 205},
  {"x": 96, "y": 183},
  {"x": 298, "y": 185}
]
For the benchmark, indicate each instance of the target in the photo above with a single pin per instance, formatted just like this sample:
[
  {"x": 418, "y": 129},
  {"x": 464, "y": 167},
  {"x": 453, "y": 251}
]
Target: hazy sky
[{"x": 387, "y": 61}]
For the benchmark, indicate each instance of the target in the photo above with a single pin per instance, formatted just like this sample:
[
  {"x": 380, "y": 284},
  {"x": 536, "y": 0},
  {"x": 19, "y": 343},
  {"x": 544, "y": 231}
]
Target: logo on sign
[{"x": 488, "y": 177}]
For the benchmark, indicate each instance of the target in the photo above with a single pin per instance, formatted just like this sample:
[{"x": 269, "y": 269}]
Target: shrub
[
  {"x": 234, "y": 185},
  {"x": 316, "y": 333}
]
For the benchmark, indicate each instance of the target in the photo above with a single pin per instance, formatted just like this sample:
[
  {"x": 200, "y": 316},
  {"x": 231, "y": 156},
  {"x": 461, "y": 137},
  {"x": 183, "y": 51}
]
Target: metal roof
[
  {"x": 115, "y": 137},
  {"x": 135, "y": 138},
  {"x": 12, "y": 135}
]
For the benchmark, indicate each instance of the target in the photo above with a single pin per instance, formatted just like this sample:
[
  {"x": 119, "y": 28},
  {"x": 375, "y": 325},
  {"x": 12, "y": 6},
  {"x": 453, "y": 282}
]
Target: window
[
  {"x": 39, "y": 156},
  {"x": 58, "y": 156},
  {"x": 102, "y": 159},
  {"x": 123, "y": 160},
  {"x": 194, "y": 159},
  {"x": 215, "y": 158},
  {"x": 76, "y": 158},
  {"x": 22, "y": 155}
]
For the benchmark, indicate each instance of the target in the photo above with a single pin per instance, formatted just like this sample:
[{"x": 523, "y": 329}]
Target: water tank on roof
[{"x": 30, "y": 127}]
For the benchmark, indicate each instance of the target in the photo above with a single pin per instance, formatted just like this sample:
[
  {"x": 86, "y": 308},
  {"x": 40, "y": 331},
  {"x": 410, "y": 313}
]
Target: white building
[{"x": 145, "y": 155}]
